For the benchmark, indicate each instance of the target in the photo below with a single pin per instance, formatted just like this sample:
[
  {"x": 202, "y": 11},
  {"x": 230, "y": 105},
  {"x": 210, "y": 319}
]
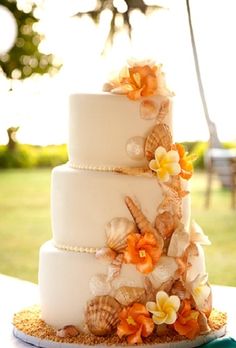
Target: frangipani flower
[
  {"x": 139, "y": 79},
  {"x": 185, "y": 161},
  {"x": 187, "y": 322},
  {"x": 143, "y": 251},
  {"x": 165, "y": 308},
  {"x": 135, "y": 323},
  {"x": 200, "y": 291},
  {"x": 166, "y": 163}
]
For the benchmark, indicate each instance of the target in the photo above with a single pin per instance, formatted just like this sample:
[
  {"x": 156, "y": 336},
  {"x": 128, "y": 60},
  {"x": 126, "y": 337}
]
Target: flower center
[
  {"x": 130, "y": 321},
  {"x": 142, "y": 253}
]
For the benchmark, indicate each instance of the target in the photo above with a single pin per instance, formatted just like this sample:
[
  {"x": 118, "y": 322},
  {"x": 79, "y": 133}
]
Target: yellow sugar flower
[
  {"x": 166, "y": 163},
  {"x": 165, "y": 308}
]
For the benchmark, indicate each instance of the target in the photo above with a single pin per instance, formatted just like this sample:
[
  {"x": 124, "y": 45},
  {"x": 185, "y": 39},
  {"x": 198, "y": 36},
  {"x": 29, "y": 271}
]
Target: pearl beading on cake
[
  {"x": 95, "y": 168},
  {"x": 77, "y": 249}
]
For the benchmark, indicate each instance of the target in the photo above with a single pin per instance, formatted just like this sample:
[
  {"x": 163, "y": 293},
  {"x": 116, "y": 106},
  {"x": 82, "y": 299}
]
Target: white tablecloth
[{"x": 15, "y": 294}]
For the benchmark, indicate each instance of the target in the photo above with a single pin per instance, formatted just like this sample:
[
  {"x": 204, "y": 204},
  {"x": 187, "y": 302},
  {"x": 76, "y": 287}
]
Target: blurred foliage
[
  {"x": 120, "y": 11},
  {"x": 24, "y": 58},
  {"x": 30, "y": 156}
]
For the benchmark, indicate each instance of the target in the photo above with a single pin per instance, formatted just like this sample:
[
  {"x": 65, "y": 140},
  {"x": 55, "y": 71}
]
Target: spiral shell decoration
[
  {"x": 102, "y": 315},
  {"x": 126, "y": 295},
  {"x": 99, "y": 285},
  {"x": 159, "y": 136},
  {"x": 149, "y": 109},
  {"x": 117, "y": 231},
  {"x": 142, "y": 222},
  {"x": 115, "y": 267},
  {"x": 164, "y": 109}
]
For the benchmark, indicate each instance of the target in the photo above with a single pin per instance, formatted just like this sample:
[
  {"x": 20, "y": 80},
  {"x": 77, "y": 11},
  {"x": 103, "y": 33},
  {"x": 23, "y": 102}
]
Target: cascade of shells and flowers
[{"x": 161, "y": 250}]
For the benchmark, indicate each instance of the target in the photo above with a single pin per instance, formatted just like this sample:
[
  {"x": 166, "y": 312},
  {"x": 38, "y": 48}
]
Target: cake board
[{"x": 44, "y": 343}]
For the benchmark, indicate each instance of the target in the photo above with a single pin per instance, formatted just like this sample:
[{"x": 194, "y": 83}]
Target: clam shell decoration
[
  {"x": 179, "y": 242},
  {"x": 105, "y": 254},
  {"x": 164, "y": 271},
  {"x": 149, "y": 109},
  {"x": 127, "y": 295},
  {"x": 117, "y": 231},
  {"x": 99, "y": 285},
  {"x": 159, "y": 136},
  {"x": 102, "y": 315},
  {"x": 67, "y": 331}
]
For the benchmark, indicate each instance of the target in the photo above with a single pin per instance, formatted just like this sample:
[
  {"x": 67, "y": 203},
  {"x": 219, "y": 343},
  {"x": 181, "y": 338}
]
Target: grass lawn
[{"x": 25, "y": 224}]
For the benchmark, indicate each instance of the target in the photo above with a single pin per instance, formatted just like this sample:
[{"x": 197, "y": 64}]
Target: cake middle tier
[{"x": 83, "y": 202}]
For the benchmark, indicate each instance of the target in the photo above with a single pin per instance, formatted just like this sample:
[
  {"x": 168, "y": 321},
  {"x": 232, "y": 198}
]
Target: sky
[{"x": 40, "y": 105}]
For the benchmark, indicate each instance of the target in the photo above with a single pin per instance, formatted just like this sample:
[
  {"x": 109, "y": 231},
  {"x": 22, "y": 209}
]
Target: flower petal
[
  {"x": 172, "y": 156},
  {"x": 160, "y": 153},
  {"x": 151, "y": 307},
  {"x": 161, "y": 298}
]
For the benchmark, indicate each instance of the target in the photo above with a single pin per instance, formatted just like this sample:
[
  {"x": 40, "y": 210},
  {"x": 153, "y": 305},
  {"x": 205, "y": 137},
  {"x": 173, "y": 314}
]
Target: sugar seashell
[
  {"x": 105, "y": 254},
  {"x": 159, "y": 136},
  {"x": 203, "y": 324},
  {"x": 149, "y": 109},
  {"x": 142, "y": 222},
  {"x": 127, "y": 295},
  {"x": 166, "y": 223},
  {"x": 179, "y": 290},
  {"x": 115, "y": 267},
  {"x": 197, "y": 235},
  {"x": 179, "y": 242},
  {"x": 99, "y": 285},
  {"x": 117, "y": 231},
  {"x": 164, "y": 271},
  {"x": 102, "y": 315},
  {"x": 67, "y": 331},
  {"x": 164, "y": 109},
  {"x": 135, "y": 148}
]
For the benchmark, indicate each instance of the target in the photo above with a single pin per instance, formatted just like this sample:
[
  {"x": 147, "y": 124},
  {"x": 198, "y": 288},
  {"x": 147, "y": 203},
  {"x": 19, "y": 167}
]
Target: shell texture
[
  {"x": 115, "y": 267},
  {"x": 127, "y": 295},
  {"x": 149, "y": 109},
  {"x": 159, "y": 136},
  {"x": 166, "y": 223},
  {"x": 164, "y": 109},
  {"x": 102, "y": 315},
  {"x": 99, "y": 285},
  {"x": 117, "y": 231},
  {"x": 164, "y": 271},
  {"x": 179, "y": 242},
  {"x": 67, "y": 331},
  {"x": 105, "y": 254}
]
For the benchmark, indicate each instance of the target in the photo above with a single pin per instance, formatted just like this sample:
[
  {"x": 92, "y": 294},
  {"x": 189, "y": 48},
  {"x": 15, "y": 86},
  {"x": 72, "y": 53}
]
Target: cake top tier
[{"x": 110, "y": 129}]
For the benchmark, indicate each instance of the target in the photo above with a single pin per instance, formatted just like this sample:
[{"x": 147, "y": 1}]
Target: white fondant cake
[{"x": 123, "y": 244}]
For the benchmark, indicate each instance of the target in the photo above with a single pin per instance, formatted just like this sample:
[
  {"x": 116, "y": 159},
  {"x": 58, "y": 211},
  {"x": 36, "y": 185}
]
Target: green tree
[{"x": 24, "y": 58}]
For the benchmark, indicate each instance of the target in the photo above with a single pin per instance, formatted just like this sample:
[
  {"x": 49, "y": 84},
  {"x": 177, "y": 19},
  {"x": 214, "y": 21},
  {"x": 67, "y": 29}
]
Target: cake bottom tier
[{"x": 65, "y": 284}]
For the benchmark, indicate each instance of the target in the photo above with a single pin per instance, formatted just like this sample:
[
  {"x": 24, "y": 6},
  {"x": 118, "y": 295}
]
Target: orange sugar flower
[
  {"x": 143, "y": 251},
  {"x": 185, "y": 161},
  {"x": 187, "y": 321},
  {"x": 135, "y": 323},
  {"x": 142, "y": 81}
]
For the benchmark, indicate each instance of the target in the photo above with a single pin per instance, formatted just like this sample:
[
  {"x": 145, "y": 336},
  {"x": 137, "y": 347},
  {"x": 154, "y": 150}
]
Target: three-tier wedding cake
[{"x": 125, "y": 264}]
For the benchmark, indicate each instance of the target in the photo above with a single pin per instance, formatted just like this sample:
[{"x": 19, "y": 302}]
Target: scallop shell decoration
[
  {"x": 135, "y": 148},
  {"x": 159, "y": 136},
  {"x": 102, "y": 315},
  {"x": 99, "y": 285},
  {"x": 149, "y": 109},
  {"x": 127, "y": 295},
  {"x": 164, "y": 109},
  {"x": 117, "y": 231}
]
